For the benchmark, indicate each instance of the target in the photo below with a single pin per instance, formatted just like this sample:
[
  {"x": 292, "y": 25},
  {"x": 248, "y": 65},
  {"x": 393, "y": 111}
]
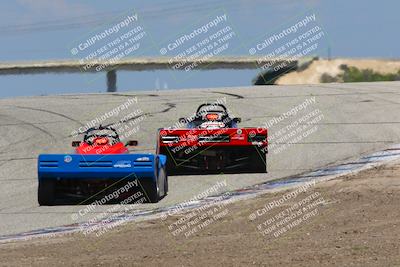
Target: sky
[{"x": 48, "y": 29}]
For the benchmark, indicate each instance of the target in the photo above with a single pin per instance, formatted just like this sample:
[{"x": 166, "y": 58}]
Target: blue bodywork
[{"x": 110, "y": 166}]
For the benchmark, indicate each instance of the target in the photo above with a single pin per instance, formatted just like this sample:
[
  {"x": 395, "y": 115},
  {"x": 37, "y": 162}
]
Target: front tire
[{"x": 46, "y": 192}]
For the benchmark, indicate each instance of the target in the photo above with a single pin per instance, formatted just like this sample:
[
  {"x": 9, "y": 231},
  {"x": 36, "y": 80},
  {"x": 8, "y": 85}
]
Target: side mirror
[
  {"x": 76, "y": 143},
  {"x": 131, "y": 143},
  {"x": 237, "y": 120}
]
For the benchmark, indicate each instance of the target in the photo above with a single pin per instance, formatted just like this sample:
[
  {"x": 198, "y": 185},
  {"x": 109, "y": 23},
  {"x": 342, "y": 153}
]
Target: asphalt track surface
[{"x": 357, "y": 118}]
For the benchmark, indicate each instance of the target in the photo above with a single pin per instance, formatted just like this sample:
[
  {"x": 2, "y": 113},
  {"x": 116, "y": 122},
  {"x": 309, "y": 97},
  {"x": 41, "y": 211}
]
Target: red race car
[{"x": 211, "y": 142}]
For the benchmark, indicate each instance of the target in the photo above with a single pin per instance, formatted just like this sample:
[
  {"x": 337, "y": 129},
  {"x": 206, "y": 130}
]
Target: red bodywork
[
  {"x": 194, "y": 137},
  {"x": 223, "y": 150}
]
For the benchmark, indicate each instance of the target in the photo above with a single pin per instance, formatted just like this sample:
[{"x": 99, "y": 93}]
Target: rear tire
[
  {"x": 151, "y": 191},
  {"x": 259, "y": 163},
  {"x": 163, "y": 182},
  {"x": 166, "y": 185},
  {"x": 152, "y": 188},
  {"x": 46, "y": 192}
]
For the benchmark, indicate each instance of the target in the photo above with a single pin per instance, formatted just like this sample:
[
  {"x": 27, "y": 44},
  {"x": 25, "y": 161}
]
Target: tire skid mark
[
  {"x": 375, "y": 95},
  {"x": 5, "y": 161},
  {"x": 34, "y": 126},
  {"x": 150, "y": 114},
  {"x": 128, "y": 95},
  {"x": 51, "y": 112},
  {"x": 316, "y": 95},
  {"x": 36, "y": 123},
  {"x": 169, "y": 107},
  {"x": 14, "y": 143},
  {"x": 124, "y": 121},
  {"x": 229, "y": 94},
  {"x": 16, "y": 159},
  {"x": 26, "y": 139}
]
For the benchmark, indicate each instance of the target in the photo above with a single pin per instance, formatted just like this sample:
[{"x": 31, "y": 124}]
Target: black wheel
[
  {"x": 259, "y": 163},
  {"x": 171, "y": 165},
  {"x": 166, "y": 185},
  {"x": 163, "y": 182},
  {"x": 46, "y": 192},
  {"x": 150, "y": 189}
]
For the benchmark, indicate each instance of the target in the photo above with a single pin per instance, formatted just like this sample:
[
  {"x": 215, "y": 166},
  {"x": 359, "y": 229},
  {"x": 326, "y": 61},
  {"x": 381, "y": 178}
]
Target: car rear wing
[
  {"x": 220, "y": 137},
  {"x": 112, "y": 166}
]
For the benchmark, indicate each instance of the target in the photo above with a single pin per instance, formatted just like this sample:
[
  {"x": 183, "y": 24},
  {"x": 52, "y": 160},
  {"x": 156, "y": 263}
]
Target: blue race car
[{"x": 100, "y": 165}]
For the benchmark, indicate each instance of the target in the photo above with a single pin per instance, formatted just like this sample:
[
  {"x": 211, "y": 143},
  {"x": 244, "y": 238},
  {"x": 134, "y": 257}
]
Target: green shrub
[{"x": 353, "y": 74}]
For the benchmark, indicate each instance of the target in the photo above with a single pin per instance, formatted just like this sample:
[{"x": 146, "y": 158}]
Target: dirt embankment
[
  {"x": 352, "y": 221},
  {"x": 312, "y": 74}
]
